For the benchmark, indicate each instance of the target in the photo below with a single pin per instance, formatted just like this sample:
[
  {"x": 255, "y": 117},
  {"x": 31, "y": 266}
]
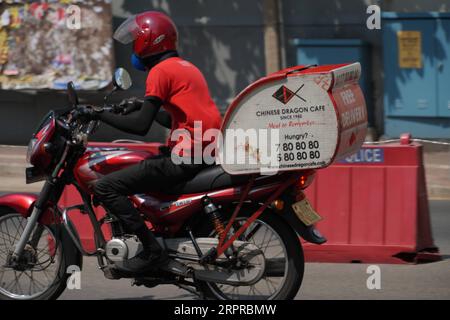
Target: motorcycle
[{"x": 228, "y": 237}]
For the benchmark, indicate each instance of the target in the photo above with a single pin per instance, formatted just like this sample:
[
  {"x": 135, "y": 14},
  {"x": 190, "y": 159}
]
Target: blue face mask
[{"x": 138, "y": 63}]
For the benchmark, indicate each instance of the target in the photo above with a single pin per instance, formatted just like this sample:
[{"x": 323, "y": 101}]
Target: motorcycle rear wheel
[{"x": 292, "y": 258}]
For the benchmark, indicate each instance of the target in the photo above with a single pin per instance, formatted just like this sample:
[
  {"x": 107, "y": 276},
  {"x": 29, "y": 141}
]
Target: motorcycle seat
[{"x": 211, "y": 178}]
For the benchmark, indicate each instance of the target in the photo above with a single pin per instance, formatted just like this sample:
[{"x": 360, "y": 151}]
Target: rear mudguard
[
  {"x": 23, "y": 203},
  {"x": 309, "y": 233}
]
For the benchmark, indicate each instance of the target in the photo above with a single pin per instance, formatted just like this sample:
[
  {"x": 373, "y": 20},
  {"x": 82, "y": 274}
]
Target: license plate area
[{"x": 305, "y": 212}]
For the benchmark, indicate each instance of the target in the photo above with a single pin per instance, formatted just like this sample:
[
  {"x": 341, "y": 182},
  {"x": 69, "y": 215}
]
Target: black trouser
[{"x": 155, "y": 174}]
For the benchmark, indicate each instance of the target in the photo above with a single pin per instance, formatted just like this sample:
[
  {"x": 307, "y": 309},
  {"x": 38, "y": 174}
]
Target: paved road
[{"x": 321, "y": 281}]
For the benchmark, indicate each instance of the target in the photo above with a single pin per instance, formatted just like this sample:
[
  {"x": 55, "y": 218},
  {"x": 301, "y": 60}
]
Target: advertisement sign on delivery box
[{"x": 299, "y": 118}]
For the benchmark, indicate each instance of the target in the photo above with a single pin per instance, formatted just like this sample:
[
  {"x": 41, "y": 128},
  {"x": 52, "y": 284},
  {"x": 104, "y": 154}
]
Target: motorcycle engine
[{"x": 123, "y": 248}]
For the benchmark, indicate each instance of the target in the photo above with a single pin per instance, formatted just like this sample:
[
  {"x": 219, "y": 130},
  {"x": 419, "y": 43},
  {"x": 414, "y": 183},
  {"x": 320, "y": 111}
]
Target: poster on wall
[
  {"x": 45, "y": 44},
  {"x": 410, "y": 49}
]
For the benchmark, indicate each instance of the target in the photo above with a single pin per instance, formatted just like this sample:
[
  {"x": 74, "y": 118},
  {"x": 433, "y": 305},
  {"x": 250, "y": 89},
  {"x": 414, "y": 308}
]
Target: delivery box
[{"x": 305, "y": 117}]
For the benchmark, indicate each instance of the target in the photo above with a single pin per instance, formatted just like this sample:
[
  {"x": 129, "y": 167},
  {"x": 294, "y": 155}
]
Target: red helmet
[{"x": 152, "y": 32}]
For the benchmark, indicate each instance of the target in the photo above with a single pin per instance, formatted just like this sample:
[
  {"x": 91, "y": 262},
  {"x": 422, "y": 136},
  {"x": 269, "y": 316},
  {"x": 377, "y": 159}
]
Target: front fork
[
  {"x": 51, "y": 187},
  {"x": 39, "y": 206}
]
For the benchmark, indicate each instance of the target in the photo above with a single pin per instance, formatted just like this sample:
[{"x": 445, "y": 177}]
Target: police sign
[{"x": 366, "y": 155}]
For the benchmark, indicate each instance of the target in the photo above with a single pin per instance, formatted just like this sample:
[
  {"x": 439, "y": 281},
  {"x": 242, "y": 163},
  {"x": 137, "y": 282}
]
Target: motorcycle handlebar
[
  {"x": 75, "y": 115},
  {"x": 114, "y": 108},
  {"x": 91, "y": 127}
]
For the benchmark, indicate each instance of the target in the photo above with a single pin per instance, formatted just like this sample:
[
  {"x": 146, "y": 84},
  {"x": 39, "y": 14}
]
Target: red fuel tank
[{"x": 98, "y": 161}]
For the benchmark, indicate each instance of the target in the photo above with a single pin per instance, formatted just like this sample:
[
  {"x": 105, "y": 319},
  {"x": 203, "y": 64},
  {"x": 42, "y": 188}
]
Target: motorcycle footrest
[
  {"x": 209, "y": 256},
  {"x": 176, "y": 268}
]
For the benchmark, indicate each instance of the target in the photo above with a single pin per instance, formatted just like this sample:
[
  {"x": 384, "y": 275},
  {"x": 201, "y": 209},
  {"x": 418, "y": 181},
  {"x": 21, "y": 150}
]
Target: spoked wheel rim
[
  {"x": 274, "y": 250},
  {"x": 40, "y": 265}
]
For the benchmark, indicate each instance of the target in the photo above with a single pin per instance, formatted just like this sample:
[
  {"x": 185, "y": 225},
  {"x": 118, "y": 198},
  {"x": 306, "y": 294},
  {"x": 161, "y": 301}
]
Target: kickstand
[{"x": 194, "y": 242}]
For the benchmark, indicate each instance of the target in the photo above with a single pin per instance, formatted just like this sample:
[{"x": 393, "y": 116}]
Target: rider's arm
[
  {"x": 134, "y": 104},
  {"x": 164, "y": 119},
  {"x": 138, "y": 122}
]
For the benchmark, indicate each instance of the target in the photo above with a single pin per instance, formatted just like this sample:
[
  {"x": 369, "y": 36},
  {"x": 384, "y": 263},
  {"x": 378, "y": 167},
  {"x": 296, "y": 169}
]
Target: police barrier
[{"x": 375, "y": 208}]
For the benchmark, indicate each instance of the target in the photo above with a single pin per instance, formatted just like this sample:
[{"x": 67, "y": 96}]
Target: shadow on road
[{"x": 152, "y": 297}]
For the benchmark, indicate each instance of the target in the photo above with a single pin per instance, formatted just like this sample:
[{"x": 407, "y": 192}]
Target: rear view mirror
[
  {"x": 72, "y": 94},
  {"x": 122, "y": 79}
]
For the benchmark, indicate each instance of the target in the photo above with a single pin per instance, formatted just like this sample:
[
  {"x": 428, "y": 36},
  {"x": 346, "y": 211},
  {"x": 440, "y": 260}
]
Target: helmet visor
[{"x": 128, "y": 31}]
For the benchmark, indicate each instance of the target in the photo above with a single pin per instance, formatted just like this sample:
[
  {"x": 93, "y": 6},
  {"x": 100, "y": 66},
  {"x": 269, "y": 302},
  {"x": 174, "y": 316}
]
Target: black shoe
[{"x": 145, "y": 261}]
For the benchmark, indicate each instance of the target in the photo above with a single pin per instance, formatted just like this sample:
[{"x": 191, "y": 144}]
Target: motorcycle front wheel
[
  {"x": 41, "y": 272},
  {"x": 284, "y": 260}
]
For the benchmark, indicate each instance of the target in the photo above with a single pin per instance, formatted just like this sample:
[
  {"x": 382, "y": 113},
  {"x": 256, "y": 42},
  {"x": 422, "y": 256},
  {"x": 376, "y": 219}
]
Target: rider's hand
[
  {"x": 88, "y": 113},
  {"x": 130, "y": 105}
]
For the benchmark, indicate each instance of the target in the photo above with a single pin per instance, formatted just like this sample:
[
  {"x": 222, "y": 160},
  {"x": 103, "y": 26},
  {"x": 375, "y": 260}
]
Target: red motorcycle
[{"x": 232, "y": 237}]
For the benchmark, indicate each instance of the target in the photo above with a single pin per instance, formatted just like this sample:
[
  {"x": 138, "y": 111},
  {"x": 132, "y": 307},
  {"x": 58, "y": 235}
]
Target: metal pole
[{"x": 273, "y": 47}]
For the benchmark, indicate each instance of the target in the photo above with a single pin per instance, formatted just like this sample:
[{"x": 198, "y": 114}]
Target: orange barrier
[{"x": 375, "y": 208}]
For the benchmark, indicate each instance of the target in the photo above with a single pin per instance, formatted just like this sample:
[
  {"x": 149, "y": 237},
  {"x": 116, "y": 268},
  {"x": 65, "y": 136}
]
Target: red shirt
[{"x": 184, "y": 92}]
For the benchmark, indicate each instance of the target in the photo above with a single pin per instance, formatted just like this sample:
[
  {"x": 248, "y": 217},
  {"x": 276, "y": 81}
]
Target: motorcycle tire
[
  {"x": 294, "y": 256},
  {"x": 70, "y": 256}
]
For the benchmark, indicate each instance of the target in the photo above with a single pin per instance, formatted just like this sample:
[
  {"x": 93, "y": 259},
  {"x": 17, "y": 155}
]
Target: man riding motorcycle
[{"x": 180, "y": 89}]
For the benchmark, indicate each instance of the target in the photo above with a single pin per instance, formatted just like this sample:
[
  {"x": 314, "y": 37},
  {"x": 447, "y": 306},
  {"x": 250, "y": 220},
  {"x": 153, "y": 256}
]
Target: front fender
[{"x": 23, "y": 203}]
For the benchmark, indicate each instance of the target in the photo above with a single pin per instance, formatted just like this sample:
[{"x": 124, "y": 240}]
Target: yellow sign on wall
[{"x": 409, "y": 49}]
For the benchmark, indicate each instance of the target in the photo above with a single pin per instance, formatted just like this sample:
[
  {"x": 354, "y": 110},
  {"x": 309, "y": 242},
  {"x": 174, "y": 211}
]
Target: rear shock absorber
[{"x": 214, "y": 215}]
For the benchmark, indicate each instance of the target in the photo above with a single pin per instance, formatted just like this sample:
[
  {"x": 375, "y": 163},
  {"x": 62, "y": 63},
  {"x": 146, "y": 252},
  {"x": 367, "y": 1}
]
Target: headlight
[{"x": 30, "y": 149}]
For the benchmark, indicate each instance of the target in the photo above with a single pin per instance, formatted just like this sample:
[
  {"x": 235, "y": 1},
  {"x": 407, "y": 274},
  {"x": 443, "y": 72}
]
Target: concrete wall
[
  {"x": 224, "y": 38},
  {"x": 347, "y": 19},
  {"x": 21, "y": 112}
]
